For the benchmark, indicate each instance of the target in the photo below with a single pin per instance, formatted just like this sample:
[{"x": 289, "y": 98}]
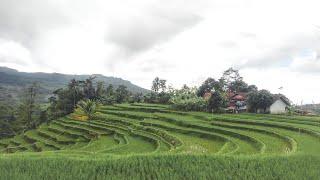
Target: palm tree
[{"x": 89, "y": 107}]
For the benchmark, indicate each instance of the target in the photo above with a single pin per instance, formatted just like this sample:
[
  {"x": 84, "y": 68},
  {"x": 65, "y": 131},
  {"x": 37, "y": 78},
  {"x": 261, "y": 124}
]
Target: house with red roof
[{"x": 237, "y": 102}]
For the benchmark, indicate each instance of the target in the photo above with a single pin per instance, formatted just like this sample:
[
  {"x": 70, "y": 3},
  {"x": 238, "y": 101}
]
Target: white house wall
[{"x": 278, "y": 107}]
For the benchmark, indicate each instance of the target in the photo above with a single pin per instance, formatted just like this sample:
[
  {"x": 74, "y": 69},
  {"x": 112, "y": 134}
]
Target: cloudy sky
[{"x": 273, "y": 43}]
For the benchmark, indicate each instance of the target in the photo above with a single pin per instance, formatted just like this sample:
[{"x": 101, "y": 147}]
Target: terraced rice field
[
  {"x": 155, "y": 129},
  {"x": 143, "y": 141}
]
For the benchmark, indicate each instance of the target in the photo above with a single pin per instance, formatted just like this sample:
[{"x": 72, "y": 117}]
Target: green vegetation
[
  {"x": 88, "y": 107},
  {"x": 12, "y": 83},
  {"x": 54, "y": 166},
  {"x": 87, "y": 131},
  {"x": 185, "y": 99},
  {"x": 259, "y": 100},
  {"x": 148, "y": 141}
]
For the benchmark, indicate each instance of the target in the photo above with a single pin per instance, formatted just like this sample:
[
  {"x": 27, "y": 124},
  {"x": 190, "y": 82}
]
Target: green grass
[
  {"x": 55, "y": 166},
  {"x": 104, "y": 142},
  {"x": 147, "y": 141}
]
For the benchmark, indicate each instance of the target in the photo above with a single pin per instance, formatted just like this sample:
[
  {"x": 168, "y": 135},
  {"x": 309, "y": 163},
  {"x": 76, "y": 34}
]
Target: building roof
[
  {"x": 239, "y": 96},
  {"x": 282, "y": 98}
]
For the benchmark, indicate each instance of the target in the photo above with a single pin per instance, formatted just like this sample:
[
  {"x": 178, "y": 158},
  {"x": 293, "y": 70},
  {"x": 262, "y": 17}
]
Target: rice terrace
[
  {"x": 159, "y": 90},
  {"x": 127, "y": 138}
]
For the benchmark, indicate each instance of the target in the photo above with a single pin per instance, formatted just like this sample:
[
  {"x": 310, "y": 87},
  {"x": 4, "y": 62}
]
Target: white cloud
[
  {"x": 14, "y": 54},
  {"x": 307, "y": 63},
  {"x": 183, "y": 41}
]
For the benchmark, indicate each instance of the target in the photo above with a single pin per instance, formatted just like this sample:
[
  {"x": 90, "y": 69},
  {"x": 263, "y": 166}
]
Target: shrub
[
  {"x": 186, "y": 99},
  {"x": 217, "y": 102},
  {"x": 88, "y": 107},
  {"x": 108, "y": 100}
]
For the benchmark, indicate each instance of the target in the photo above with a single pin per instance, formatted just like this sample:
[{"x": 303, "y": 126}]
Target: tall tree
[
  {"x": 162, "y": 85},
  {"x": 138, "y": 97},
  {"x": 89, "y": 90},
  {"x": 100, "y": 91},
  {"x": 7, "y": 121},
  {"x": 229, "y": 76},
  {"x": 29, "y": 109},
  {"x": 259, "y": 100},
  {"x": 217, "y": 102},
  {"x": 75, "y": 91},
  {"x": 62, "y": 102},
  {"x": 252, "y": 88},
  {"x": 209, "y": 85},
  {"x": 156, "y": 85},
  {"x": 238, "y": 86},
  {"x": 109, "y": 97},
  {"x": 121, "y": 94},
  {"x": 110, "y": 91}
]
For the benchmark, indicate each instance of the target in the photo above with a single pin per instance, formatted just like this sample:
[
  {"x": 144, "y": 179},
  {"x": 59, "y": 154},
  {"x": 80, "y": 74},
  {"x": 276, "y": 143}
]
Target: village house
[
  {"x": 280, "y": 105},
  {"x": 237, "y": 102}
]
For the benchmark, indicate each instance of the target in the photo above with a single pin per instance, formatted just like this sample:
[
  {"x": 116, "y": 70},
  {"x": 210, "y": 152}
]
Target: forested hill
[{"x": 12, "y": 82}]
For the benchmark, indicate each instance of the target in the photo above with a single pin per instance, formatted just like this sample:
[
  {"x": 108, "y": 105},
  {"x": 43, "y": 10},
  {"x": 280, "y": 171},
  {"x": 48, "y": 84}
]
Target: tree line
[
  {"x": 211, "y": 96},
  {"x": 30, "y": 112}
]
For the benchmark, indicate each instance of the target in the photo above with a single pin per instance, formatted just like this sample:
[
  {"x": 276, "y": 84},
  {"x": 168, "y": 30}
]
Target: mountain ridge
[{"x": 13, "y": 81}]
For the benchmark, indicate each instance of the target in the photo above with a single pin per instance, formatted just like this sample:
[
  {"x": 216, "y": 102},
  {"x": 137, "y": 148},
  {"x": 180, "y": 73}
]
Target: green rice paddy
[{"x": 143, "y": 141}]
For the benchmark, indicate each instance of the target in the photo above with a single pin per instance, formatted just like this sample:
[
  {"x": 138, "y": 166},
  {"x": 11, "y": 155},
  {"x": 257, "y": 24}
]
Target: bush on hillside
[
  {"x": 107, "y": 100},
  {"x": 88, "y": 107},
  {"x": 193, "y": 104},
  {"x": 186, "y": 99},
  {"x": 217, "y": 102},
  {"x": 259, "y": 100}
]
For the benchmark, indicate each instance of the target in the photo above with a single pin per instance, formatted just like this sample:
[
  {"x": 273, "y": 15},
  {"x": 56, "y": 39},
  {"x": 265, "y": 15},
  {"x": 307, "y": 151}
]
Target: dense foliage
[
  {"x": 31, "y": 112},
  {"x": 159, "y": 92},
  {"x": 186, "y": 99},
  {"x": 217, "y": 102},
  {"x": 25, "y": 116},
  {"x": 88, "y": 107},
  {"x": 211, "y": 96},
  {"x": 208, "y": 85},
  {"x": 259, "y": 100},
  {"x": 65, "y": 101}
]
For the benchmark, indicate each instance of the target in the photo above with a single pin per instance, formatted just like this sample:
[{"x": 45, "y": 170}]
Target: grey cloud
[
  {"x": 139, "y": 33},
  {"x": 12, "y": 60},
  {"x": 28, "y": 21},
  {"x": 283, "y": 55},
  {"x": 155, "y": 65},
  {"x": 23, "y": 20},
  {"x": 275, "y": 58}
]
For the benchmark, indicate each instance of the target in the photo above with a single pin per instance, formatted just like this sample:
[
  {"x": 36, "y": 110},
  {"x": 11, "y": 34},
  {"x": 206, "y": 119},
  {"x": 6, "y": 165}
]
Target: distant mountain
[{"x": 12, "y": 83}]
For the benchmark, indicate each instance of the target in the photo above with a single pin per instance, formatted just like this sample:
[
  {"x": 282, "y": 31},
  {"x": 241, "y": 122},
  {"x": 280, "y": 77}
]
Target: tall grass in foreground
[{"x": 161, "y": 167}]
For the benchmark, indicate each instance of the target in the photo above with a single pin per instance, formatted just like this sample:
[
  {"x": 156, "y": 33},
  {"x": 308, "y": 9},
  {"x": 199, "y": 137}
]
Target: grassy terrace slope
[{"x": 152, "y": 141}]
